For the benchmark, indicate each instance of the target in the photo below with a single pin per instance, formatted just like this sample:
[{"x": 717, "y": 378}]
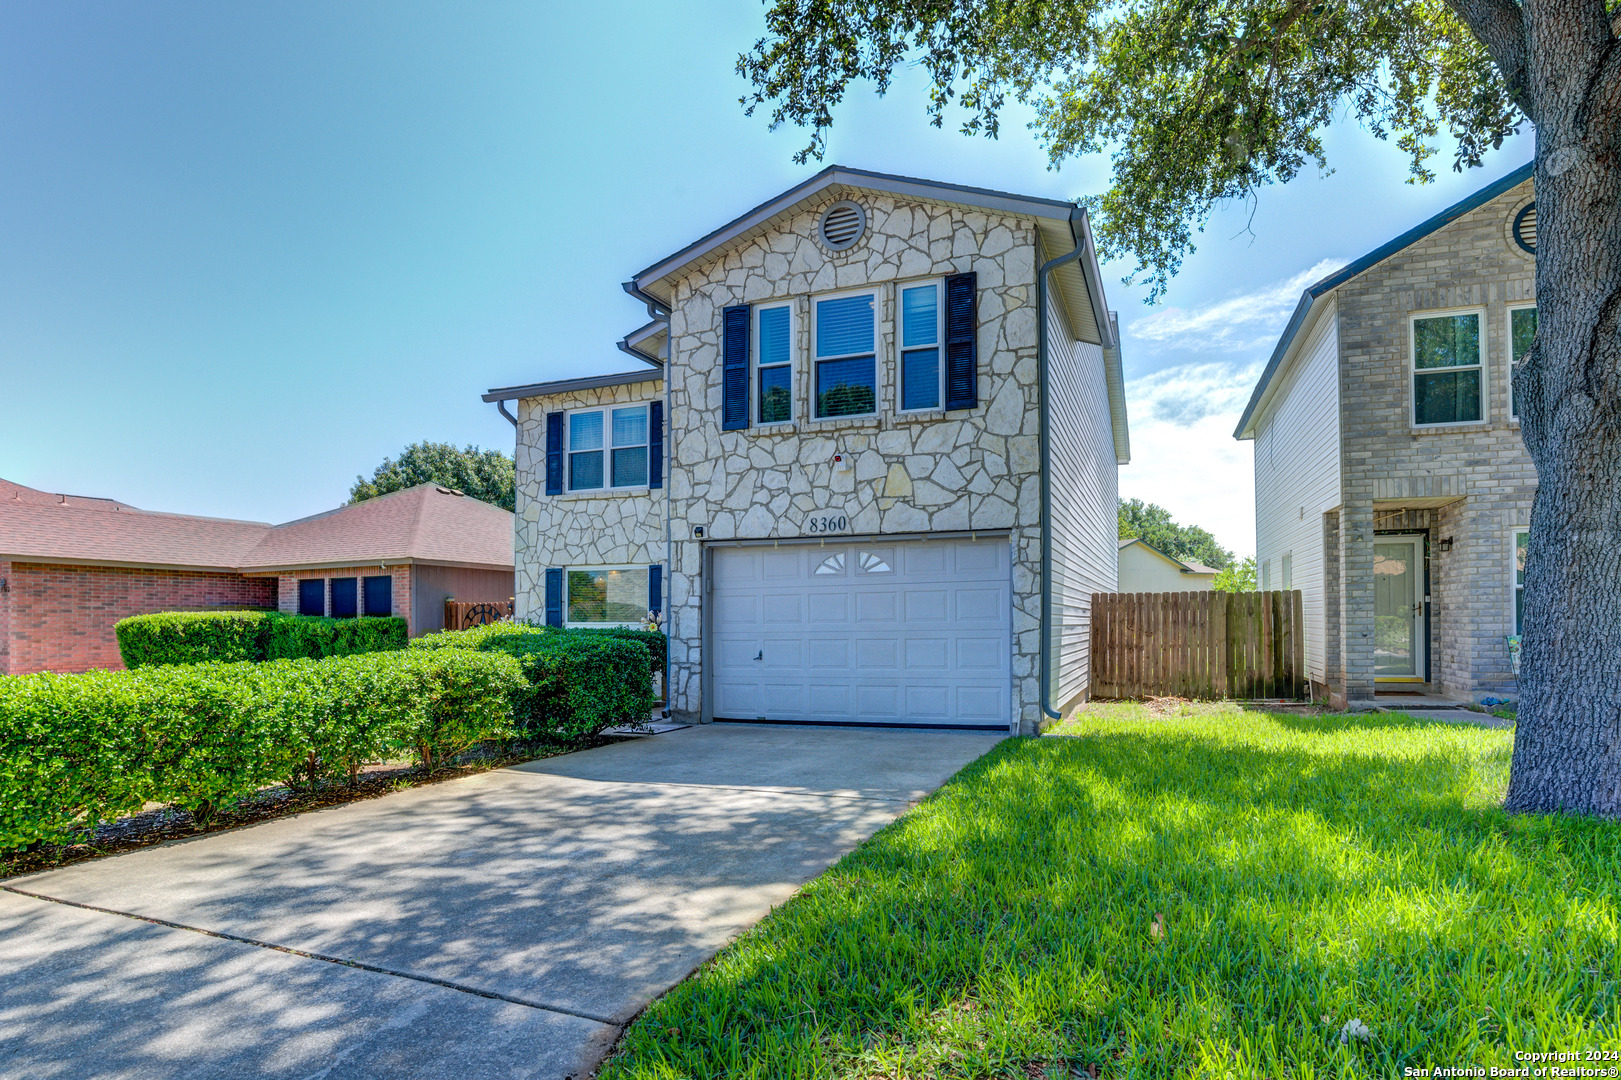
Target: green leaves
[
  {"x": 1199, "y": 102},
  {"x": 486, "y": 475},
  {"x": 193, "y": 637}
]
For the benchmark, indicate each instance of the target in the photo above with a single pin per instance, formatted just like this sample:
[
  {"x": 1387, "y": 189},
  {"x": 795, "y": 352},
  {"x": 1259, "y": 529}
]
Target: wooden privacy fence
[
  {"x": 466, "y": 614},
  {"x": 1198, "y": 645}
]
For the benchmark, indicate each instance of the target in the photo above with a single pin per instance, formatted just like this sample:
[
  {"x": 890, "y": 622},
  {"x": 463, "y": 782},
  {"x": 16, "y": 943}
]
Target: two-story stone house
[
  {"x": 1391, "y": 483},
  {"x": 870, "y": 473}
]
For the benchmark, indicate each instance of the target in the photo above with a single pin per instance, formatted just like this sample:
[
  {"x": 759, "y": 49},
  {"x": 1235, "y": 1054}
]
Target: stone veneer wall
[
  {"x": 963, "y": 470},
  {"x": 597, "y": 528},
  {"x": 1469, "y": 263}
]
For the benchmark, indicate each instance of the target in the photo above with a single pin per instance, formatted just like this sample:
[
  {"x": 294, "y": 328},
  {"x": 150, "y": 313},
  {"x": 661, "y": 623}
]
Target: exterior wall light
[{"x": 1445, "y": 545}]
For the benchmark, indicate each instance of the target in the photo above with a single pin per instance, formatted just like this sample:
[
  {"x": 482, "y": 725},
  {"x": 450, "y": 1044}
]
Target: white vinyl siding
[
  {"x": 1142, "y": 569},
  {"x": 1085, "y": 500},
  {"x": 1297, "y": 475}
]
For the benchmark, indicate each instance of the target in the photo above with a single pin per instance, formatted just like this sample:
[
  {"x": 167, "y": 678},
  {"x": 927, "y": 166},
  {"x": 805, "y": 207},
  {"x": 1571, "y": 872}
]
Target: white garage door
[{"x": 912, "y": 632}]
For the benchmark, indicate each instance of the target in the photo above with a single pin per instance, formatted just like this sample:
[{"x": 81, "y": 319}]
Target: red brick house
[{"x": 72, "y": 566}]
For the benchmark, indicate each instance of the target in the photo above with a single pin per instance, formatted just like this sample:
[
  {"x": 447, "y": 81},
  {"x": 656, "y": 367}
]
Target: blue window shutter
[
  {"x": 962, "y": 356},
  {"x": 655, "y": 588},
  {"x": 554, "y": 453},
  {"x": 655, "y": 445},
  {"x": 554, "y": 596},
  {"x": 735, "y": 368}
]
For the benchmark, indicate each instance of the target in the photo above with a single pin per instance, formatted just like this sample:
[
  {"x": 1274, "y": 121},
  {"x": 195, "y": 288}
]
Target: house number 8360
[{"x": 827, "y": 523}]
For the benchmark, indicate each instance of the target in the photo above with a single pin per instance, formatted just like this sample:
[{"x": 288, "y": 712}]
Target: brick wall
[
  {"x": 1482, "y": 468},
  {"x": 60, "y": 618},
  {"x": 399, "y": 589}
]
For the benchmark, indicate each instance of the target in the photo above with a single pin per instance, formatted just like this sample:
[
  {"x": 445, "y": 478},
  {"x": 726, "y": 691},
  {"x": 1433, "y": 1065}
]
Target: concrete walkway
[{"x": 504, "y": 925}]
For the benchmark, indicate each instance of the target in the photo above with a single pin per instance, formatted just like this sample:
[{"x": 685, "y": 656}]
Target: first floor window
[
  {"x": 1522, "y": 546},
  {"x": 607, "y": 597},
  {"x": 343, "y": 598},
  {"x": 1288, "y": 572},
  {"x": 1266, "y": 575},
  {"x": 775, "y": 367},
  {"x": 921, "y": 375},
  {"x": 379, "y": 594},
  {"x": 1522, "y": 328},
  {"x": 312, "y": 596},
  {"x": 607, "y": 445},
  {"x": 1446, "y": 369},
  {"x": 846, "y": 347}
]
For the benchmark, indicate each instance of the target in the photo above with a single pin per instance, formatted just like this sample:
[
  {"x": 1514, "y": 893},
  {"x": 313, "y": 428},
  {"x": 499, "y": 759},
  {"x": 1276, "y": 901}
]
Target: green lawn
[{"x": 1310, "y": 871}]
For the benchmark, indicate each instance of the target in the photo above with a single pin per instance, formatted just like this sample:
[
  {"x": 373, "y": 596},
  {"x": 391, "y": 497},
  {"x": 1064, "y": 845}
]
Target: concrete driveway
[{"x": 504, "y": 925}]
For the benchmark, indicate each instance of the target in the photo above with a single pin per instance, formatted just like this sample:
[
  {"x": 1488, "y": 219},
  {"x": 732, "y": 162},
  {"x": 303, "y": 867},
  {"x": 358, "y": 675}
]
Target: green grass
[{"x": 1310, "y": 871}]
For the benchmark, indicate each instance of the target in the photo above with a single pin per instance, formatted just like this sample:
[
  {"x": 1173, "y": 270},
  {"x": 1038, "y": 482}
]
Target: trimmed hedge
[
  {"x": 195, "y": 637},
  {"x": 580, "y": 681},
  {"x": 76, "y": 750}
]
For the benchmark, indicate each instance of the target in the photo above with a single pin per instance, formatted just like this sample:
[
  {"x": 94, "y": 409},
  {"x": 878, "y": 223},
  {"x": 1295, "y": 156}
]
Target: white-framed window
[
  {"x": 1266, "y": 575},
  {"x": 922, "y": 359},
  {"x": 1288, "y": 571},
  {"x": 1448, "y": 355},
  {"x": 1522, "y": 548},
  {"x": 605, "y": 596},
  {"x": 774, "y": 363},
  {"x": 1522, "y": 328},
  {"x": 607, "y": 448},
  {"x": 845, "y": 345}
]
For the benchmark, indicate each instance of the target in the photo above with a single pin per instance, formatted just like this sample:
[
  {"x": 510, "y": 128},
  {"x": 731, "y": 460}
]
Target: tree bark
[{"x": 1567, "y": 746}]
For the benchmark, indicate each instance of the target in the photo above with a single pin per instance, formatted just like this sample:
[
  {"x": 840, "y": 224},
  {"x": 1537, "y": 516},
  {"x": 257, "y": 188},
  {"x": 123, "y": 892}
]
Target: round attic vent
[
  {"x": 1525, "y": 229},
  {"x": 842, "y": 225}
]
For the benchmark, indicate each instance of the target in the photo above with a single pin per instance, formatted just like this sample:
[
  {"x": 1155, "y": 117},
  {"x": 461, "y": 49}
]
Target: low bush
[
  {"x": 76, "y": 750},
  {"x": 580, "y": 681},
  {"x": 195, "y": 637}
]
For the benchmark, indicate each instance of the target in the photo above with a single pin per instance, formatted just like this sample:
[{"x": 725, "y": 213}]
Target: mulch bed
[{"x": 158, "y": 824}]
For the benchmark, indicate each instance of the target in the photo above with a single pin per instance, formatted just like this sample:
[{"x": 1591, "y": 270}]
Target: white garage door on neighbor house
[{"x": 908, "y": 632}]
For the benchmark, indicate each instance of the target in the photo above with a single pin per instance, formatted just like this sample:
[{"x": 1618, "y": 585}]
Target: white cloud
[
  {"x": 1240, "y": 323},
  {"x": 1183, "y": 454}
]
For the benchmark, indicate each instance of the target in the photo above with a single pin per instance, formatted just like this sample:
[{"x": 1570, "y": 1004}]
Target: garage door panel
[
  {"x": 912, "y": 632},
  {"x": 878, "y": 654},
  {"x": 980, "y": 605}
]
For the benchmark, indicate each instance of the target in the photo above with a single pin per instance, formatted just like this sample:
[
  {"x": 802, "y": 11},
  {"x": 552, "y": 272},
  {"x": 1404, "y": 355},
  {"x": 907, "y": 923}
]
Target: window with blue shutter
[
  {"x": 735, "y": 368},
  {"x": 344, "y": 598},
  {"x": 554, "y": 596},
  {"x": 655, "y": 444},
  {"x": 962, "y": 358},
  {"x": 554, "y": 453},
  {"x": 378, "y": 594},
  {"x": 655, "y": 588}
]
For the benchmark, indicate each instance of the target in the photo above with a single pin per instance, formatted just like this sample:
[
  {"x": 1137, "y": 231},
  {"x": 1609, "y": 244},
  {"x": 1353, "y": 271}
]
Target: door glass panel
[{"x": 1395, "y": 624}]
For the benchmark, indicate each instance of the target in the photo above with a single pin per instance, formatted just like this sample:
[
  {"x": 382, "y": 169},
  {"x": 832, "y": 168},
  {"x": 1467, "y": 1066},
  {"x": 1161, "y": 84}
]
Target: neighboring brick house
[
  {"x": 71, "y": 567},
  {"x": 834, "y": 480},
  {"x": 1391, "y": 483}
]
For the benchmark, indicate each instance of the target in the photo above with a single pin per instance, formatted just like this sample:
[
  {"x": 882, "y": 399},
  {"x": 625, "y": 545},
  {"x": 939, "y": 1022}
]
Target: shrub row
[
  {"x": 580, "y": 681},
  {"x": 195, "y": 637},
  {"x": 76, "y": 750}
]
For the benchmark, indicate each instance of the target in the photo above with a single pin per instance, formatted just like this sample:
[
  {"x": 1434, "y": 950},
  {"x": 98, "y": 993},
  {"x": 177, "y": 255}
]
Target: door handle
[{"x": 760, "y": 655}]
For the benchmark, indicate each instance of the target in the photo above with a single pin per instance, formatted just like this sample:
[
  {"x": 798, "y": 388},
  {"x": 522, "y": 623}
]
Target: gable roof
[
  {"x": 1063, "y": 227},
  {"x": 1309, "y": 305},
  {"x": 425, "y": 523},
  {"x": 566, "y": 386},
  {"x": 18, "y": 494},
  {"x": 1187, "y": 567}
]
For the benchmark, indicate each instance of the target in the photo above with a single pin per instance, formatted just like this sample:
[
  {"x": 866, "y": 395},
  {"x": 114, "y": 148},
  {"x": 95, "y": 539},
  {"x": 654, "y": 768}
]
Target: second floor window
[
  {"x": 846, "y": 374},
  {"x": 1522, "y": 328},
  {"x": 774, "y": 363},
  {"x": 921, "y": 375},
  {"x": 607, "y": 448},
  {"x": 1446, "y": 369}
]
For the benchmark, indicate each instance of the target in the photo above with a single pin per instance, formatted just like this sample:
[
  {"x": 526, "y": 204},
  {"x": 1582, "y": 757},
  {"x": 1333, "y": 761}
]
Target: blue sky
[{"x": 246, "y": 251}]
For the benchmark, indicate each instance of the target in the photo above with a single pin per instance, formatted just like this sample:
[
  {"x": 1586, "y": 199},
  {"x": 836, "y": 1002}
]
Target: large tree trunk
[{"x": 1567, "y": 749}]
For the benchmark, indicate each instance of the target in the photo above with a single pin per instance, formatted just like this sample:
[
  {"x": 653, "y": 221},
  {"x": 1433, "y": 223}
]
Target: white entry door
[
  {"x": 1398, "y": 608},
  {"x": 911, "y": 632}
]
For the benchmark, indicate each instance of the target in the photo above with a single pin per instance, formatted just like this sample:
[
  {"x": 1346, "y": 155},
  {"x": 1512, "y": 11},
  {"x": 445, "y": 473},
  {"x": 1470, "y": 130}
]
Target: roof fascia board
[
  {"x": 833, "y": 176},
  {"x": 57, "y": 560},
  {"x": 565, "y": 386},
  {"x": 1373, "y": 258},
  {"x": 1284, "y": 350},
  {"x": 630, "y": 342}
]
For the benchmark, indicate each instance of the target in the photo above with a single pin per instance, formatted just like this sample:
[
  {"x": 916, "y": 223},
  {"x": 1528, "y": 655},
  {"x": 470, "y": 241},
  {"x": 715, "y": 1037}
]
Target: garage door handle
[{"x": 760, "y": 655}]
